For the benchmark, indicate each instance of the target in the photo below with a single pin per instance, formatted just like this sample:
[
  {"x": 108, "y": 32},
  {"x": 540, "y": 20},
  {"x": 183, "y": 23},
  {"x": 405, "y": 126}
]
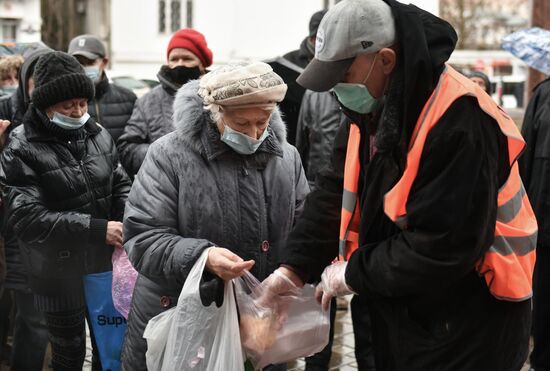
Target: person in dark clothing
[
  {"x": 534, "y": 167},
  {"x": 482, "y": 80},
  {"x": 65, "y": 198},
  {"x": 298, "y": 59},
  {"x": 30, "y": 336},
  {"x": 112, "y": 105},
  {"x": 187, "y": 58},
  {"x": 301, "y": 57},
  {"x": 319, "y": 121},
  {"x": 430, "y": 307}
]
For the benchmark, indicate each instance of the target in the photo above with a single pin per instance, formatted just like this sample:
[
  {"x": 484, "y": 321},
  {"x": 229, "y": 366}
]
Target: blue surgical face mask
[
  {"x": 8, "y": 89},
  {"x": 242, "y": 143},
  {"x": 93, "y": 73},
  {"x": 357, "y": 97},
  {"x": 69, "y": 123}
]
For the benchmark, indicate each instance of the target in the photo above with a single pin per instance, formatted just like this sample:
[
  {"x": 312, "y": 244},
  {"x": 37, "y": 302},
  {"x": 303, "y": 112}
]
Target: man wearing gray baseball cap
[
  {"x": 423, "y": 202},
  {"x": 112, "y": 105}
]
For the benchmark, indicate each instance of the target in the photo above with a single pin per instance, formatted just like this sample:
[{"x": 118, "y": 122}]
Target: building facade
[{"x": 20, "y": 21}]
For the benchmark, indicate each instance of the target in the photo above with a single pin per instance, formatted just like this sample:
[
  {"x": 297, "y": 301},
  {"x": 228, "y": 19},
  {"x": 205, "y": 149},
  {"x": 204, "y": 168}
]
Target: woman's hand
[
  {"x": 114, "y": 234},
  {"x": 226, "y": 265}
]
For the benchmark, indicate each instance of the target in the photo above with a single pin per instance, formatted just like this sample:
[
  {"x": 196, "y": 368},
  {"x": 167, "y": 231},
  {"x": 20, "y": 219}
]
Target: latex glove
[
  {"x": 333, "y": 283},
  {"x": 276, "y": 292}
]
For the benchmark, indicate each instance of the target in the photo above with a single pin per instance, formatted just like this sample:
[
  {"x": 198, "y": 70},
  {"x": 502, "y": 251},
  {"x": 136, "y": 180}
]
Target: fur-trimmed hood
[{"x": 190, "y": 117}]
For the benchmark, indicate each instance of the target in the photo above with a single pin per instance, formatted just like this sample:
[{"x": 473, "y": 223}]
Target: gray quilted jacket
[{"x": 193, "y": 192}]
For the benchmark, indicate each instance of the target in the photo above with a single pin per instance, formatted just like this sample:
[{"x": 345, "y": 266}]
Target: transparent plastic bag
[
  {"x": 272, "y": 336},
  {"x": 199, "y": 338},
  {"x": 124, "y": 280}
]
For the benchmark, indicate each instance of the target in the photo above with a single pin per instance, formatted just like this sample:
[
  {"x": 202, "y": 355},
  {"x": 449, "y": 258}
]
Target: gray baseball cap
[
  {"x": 350, "y": 28},
  {"x": 88, "y": 46}
]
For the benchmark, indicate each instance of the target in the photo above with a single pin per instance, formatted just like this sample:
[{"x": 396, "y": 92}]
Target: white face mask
[
  {"x": 69, "y": 123},
  {"x": 93, "y": 73},
  {"x": 242, "y": 143}
]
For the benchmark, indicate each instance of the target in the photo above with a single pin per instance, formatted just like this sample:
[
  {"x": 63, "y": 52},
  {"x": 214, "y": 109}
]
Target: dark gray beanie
[{"x": 57, "y": 77}]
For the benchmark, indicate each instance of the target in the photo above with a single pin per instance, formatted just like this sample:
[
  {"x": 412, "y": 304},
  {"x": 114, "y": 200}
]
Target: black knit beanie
[{"x": 57, "y": 77}]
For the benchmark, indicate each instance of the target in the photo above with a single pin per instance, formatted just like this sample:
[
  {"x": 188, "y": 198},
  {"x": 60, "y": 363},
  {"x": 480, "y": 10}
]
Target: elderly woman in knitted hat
[
  {"x": 65, "y": 199},
  {"x": 226, "y": 178}
]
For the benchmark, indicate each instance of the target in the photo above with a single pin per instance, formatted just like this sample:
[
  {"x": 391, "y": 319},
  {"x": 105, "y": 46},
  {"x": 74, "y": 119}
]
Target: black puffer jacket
[
  {"x": 60, "y": 195},
  {"x": 534, "y": 165},
  {"x": 194, "y": 192},
  {"x": 151, "y": 119},
  {"x": 111, "y": 107},
  {"x": 319, "y": 121}
]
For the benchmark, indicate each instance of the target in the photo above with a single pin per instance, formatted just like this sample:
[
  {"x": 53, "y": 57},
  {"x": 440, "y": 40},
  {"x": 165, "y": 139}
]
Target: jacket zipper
[{"x": 98, "y": 114}]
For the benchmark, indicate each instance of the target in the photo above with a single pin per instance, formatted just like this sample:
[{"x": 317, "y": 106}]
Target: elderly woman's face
[
  {"x": 249, "y": 121},
  {"x": 74, "y": 108}
]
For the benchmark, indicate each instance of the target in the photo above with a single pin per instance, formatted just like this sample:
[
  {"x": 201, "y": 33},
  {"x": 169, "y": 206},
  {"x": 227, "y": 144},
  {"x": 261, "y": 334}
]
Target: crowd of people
[{"x": 403, "y": 189}]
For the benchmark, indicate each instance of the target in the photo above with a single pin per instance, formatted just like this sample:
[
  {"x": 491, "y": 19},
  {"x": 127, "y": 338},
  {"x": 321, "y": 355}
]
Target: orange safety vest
[{"x": 508, "y": 264}]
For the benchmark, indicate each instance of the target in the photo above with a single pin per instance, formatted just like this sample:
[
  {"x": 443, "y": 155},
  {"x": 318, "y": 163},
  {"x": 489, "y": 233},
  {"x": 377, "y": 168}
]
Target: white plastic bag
[
  {"x": 124, "y": 280},
  {"x": 199, "y": 338},
  {"x": 269, "y": 339},
  {"x": 156, "y": 334}
]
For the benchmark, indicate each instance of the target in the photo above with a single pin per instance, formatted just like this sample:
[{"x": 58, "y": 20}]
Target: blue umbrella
[{"x": 532, "y": 46}]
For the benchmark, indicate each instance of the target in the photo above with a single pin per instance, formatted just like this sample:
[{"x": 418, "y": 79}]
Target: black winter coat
[
  {"x": 429, "y": 308},
  {"x": 534, "y": 165},
  {"x": 319, "y": 121},
  {"x": 112, "y": 107},
  {"x": 60, "y": 196},
  {"x": 151, "y": 119}
]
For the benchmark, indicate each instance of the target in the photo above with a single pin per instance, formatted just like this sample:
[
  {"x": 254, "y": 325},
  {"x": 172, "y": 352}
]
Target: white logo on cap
[
  {"x": 81, "y": 42},
  {"x": 319, "y": 41}
]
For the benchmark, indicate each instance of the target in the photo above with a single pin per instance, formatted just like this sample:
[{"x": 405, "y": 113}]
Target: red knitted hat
[{"x": 193, "y": 41}]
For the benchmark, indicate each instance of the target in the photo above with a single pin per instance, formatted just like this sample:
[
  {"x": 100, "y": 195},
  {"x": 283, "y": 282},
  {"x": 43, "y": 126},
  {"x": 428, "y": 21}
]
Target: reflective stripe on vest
[
  {"x": 349, "y": 223},
  {"x": 508, "y": 265}
]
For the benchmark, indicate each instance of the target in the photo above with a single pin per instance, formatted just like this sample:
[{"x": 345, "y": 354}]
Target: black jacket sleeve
[
  {"x": 529, "y": 130},
  {"x": 451, "y": 210},
  {"x": 121, "y": 188},
  {"x": 313, "y": 243}
]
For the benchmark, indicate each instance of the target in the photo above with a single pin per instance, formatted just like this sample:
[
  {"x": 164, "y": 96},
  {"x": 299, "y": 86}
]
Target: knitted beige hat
[{"x": 242, "y": 84}]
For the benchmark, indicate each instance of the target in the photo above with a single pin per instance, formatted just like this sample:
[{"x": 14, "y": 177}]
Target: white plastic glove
[{"x": 333, "y": 283}]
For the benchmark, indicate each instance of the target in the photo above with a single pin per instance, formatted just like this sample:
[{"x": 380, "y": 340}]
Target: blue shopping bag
[{"x": 108, "y": 325}]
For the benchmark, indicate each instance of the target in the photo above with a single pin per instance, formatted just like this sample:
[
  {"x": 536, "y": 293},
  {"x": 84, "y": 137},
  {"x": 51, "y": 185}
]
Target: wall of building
[
  {"x": 25, "y": 14},
  {"x": 234, "y": 29}
]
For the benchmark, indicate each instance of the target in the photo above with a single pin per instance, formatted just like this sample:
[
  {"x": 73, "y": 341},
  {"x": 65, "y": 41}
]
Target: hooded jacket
[
  {"x": 13, "y": 109},
  {"x": 112, "y": 106},
  {"x": 429, "y": 308},
  {"x": 150, "y": 120},
  {"x": 193, "y": 192}
]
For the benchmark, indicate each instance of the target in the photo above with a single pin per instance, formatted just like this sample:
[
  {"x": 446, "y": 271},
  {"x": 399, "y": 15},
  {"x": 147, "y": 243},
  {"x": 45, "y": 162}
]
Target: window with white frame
[{"x": 8, "y": 30}]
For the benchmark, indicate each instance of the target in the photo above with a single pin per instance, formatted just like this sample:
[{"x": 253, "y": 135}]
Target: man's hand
[
  {"x": 114, "y": 234},
  {"x": 226, "y": 265},
  {"x": 333, "y": 283}
]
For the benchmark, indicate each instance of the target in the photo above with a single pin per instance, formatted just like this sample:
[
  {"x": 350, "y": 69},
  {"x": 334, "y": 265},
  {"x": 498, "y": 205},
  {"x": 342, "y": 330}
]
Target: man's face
[
  {"x": 101, "y": 63},
  {"x": 184, "y": 57},
  {"x": 372, "y": 70}
]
